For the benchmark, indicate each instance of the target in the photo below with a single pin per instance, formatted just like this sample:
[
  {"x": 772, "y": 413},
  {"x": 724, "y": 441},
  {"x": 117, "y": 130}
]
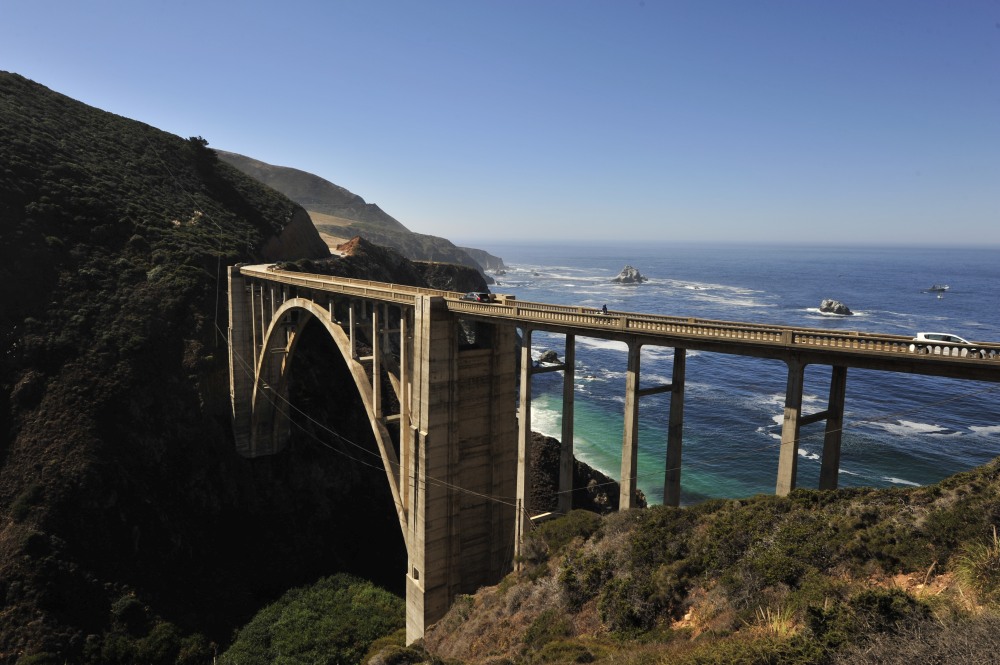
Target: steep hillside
[
  {"x": 130, "y": 531},
  {"x": 341, "y": 214},
  {"x": 314, "y": 193}
]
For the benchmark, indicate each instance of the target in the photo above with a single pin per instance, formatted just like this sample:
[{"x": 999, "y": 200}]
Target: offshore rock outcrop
[
  {"x": 630, "y": 275},
  {"x": 829, "y": 306}
]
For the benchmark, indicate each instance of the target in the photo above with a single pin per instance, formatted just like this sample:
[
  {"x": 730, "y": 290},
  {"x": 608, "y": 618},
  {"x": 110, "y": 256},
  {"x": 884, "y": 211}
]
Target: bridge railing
[
  {"x": 761, "y": 333},
  {"x": 364, "y": 288}
]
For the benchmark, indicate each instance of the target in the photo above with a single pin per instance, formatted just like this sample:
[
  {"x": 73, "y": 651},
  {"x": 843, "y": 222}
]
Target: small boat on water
[{"x": 938, "y": 288}]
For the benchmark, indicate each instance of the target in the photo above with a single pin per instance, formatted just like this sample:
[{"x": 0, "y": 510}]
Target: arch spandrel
[{"x": 313, "y": 311}]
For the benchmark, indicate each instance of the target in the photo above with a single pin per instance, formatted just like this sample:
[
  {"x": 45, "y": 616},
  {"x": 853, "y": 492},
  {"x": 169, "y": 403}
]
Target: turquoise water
[{"x": 900, "y": 430}]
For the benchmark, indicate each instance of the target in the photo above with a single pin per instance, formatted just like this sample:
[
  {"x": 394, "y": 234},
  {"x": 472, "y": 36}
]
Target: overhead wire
[{"x": 274, "y": 398}]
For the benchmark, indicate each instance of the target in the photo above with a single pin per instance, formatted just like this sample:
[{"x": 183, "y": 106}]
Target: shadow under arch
[{"x": 281, "y": 339}]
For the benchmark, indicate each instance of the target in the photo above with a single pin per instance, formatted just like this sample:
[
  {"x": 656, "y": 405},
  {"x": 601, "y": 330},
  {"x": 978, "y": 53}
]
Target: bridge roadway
[
  {"x": 456, "y": 424},
  {"x": 877, "y": 351}
]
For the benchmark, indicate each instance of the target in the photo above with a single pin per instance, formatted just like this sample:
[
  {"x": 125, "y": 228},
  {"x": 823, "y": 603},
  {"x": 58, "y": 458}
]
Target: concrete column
[
  {"x": 503, "y": 438},
  {"x": 376, "y": 361},
  {"x": 405, "y": 431},
  {"x": 630, "y": 438},
  {"x": 830, "y": 469},
  {"x": 672, "y": 476},
  {"x": 351, "y": 323},
  {"x": 255, "y": 334},
  {"x": 566, "y": 449},
  {"x": 788, "y": 458},
  {"x": 267, "y": 309},
  {"x": 430, "y": 573},
  {"x": 242, "y": 360},
  {"x": 523, "y": 486}
]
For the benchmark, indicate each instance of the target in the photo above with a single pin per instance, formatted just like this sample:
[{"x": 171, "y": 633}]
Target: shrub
[
  {"x": 582, "y": 576},
  {"x": 627, "y": 604},
  {"x": 549, "y": 625},
  {"x": 559, "y": 533},
  {"x": 564, "y": 652},
  {"x": 866, "y": 614},
  {"x": 334, "y": 621},
  {"x": 21, "y": 506}
]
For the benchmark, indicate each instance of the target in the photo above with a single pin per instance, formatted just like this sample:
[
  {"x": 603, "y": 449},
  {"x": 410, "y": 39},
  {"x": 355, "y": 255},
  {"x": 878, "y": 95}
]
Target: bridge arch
[{"x": 272, "y": 370}]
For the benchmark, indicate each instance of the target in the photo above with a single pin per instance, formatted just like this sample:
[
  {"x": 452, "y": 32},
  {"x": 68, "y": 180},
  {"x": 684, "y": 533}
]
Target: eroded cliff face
[
  {"x": 359, "y": 258},
  {"x": 297, "y": 240}
]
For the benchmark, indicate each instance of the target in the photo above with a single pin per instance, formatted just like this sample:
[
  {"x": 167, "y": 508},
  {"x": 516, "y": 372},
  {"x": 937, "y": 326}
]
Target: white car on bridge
[{"x": 944, "y": 344}]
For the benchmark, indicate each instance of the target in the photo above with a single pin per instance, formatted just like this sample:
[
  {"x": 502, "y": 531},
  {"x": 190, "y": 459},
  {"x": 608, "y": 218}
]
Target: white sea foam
[
  {"x": 604, "y": 344},
  {"x": 544, "y": 419},
  {"x": 656, "y": 353},
  {"x": 807, "y": 455},
  {"x": 908, "y": 427},
  {"x": 817, "y": 311},
  {"x": 900, "y": 481},
  {"x": 730, "y": 299},
  {"x": 985, "y": 429}
]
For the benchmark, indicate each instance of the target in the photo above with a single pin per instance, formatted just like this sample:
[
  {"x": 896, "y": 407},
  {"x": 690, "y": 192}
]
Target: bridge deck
[{"x": 879, "y": 351}]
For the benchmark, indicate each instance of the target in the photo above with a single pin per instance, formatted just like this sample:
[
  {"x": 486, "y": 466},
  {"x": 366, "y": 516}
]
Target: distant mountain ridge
[{"x": 339, "y": 214}]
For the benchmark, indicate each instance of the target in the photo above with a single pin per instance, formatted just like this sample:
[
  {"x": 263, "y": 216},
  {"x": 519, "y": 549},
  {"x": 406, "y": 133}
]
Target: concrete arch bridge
[{"x": 438, "y": 376}]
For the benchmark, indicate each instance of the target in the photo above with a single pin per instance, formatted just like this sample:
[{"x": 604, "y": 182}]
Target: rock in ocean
[
  {"x": 630, "y": 275},
  {"x": 834, "y": 307}
]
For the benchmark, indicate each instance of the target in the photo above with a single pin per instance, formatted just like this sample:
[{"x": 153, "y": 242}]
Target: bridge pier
[
  {"x": 788, "y": 457},
  {"x": 675, "y": 429},
  {"x": 794, "y": 421},
  {"x": 522, "y": 517},
  {"x": 462, "y": 420},
  {"x": 566, "y": 461},
  {"x": 242, "y": 356},
  {"x": 829, "y": 472},
  {"x": 630, "y": 436}
]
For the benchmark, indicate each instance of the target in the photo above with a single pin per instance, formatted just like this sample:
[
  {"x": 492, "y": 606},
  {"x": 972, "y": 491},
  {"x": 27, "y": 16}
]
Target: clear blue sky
[{"x": 839, "y": 121}]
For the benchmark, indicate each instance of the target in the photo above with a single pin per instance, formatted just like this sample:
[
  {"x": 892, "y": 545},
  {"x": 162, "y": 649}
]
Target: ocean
[{"x": 900, "y": 430}]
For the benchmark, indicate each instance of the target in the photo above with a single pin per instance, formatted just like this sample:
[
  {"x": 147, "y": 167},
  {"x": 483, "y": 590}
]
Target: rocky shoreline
[{"x": 592, "y": 490}]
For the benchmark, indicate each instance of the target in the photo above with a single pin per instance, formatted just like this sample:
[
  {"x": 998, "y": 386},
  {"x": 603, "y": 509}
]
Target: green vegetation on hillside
[
  {"x": 334, "y": 621},
  {"x": 817, "y": 577},
  {"x": 117, "y": 475}
]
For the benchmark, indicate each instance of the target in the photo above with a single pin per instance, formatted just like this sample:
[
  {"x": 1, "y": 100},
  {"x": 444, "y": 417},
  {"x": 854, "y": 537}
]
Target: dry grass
[{"x": 978, "y": 568}]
